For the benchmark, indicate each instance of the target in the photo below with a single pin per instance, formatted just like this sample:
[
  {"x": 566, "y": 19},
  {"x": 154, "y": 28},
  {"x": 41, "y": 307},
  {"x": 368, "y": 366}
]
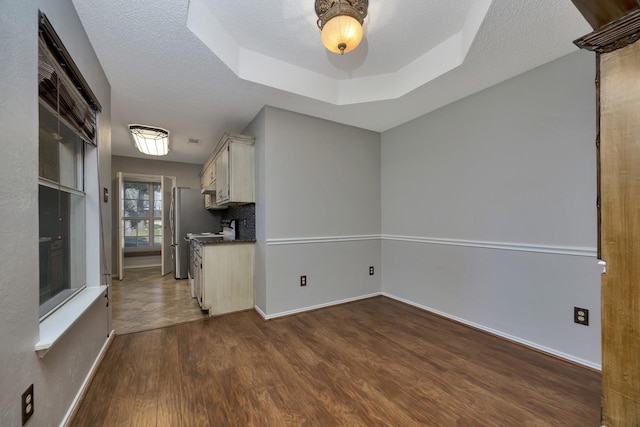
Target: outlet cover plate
[
  {"x": 581, "y": 316},
  {"x": 27, "y": 404}
]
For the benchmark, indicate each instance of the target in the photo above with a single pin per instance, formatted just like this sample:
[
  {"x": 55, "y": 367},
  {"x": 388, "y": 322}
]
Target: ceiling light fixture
[
  {"x": 150, "y": 140},
  {"x": 340, "y": 22}
]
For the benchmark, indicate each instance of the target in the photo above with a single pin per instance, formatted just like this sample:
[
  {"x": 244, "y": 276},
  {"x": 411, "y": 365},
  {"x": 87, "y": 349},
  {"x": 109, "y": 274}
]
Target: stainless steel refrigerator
[{"x": 188, "y": 215}]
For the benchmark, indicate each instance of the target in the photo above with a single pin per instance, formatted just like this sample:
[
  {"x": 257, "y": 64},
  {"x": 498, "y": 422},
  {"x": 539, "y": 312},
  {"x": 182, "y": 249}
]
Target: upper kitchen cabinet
[
  {"x": 208, "y": 185},
  {"x": 234, "y": 170},
  {"x": 208, "y": 177}
]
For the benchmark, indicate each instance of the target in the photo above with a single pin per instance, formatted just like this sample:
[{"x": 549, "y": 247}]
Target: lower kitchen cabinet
[{"x": 227, "y": 277}]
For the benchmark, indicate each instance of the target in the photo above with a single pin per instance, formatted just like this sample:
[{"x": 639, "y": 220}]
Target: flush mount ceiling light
[
  {"x": 150, "y": 140},
  {"x": 341, "y": 23}
]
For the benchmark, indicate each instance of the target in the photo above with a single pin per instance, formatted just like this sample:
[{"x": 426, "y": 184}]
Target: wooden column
[
  {"x": 619, "y": 193},
  {"x": 620, "y": 209}
]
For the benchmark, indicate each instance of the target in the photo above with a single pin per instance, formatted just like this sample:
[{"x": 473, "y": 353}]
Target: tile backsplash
[{"x": 245, "y": 216}]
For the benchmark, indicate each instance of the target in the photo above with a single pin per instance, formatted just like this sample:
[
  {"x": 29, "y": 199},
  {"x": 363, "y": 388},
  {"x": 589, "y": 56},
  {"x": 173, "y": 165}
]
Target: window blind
[{"x": 62, "y": 87}]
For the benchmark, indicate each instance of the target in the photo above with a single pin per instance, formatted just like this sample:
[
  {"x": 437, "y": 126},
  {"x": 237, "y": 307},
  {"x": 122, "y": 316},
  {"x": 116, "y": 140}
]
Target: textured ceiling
[{"x": 162, "y": 74}]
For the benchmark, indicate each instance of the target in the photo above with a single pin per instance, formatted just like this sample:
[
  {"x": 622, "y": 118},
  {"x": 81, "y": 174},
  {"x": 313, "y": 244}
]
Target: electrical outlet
[
  {"x": 303, "y": 280},
  {"x": 27, "y": 404},
  {"x": 371, "y": 271},
  {"x": 581, "y": 316}
]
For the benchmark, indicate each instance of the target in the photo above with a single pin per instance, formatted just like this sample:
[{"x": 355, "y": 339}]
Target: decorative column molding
[{"x": 612, "y": 36}]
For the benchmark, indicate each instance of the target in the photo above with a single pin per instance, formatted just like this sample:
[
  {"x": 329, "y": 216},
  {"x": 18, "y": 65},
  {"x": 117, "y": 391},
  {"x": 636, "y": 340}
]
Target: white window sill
[{"x": 54, "y": 327}]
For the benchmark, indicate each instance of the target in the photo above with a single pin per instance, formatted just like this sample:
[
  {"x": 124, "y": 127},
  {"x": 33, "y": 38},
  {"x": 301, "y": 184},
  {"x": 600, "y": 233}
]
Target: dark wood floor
[{"x": 375, "y": 362}]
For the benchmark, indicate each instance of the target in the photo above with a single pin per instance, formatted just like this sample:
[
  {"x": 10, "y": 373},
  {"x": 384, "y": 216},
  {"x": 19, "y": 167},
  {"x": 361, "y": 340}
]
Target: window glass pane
[
  {"x": 60, "y": 151},
  {"x": 136, "y": 208},
  {"x": 136, "y": 199},
  {"x": 157, "y": 233},
  {"x": 62, "y": 246},
  {"x": 130, "y": 242},
  {"x": 136, "y": 190},
  {"x": 142, "y": 208},
  {"x": 157, "y": 200},
  {"x": 48, "y": 146},
  {"x": 71, "y": 167},
  {"x": 136, "y": 233}
]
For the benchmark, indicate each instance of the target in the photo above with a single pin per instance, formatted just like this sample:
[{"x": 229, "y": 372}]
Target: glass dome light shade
[
  {"x": 341, "y": 30},
  {"x": 150, "y": 140}
]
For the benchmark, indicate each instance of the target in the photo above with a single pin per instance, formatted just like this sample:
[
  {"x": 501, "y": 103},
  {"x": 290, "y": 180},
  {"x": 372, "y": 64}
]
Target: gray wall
[
  {"x": 58, "y": 377},
  {"x": 316, "y": 180},
  {"x": 257, "y": 129},
  {"x": 323, "y": 178},
  {"x": 512, "y": 166},
  {"x": 187, "y": 174}
]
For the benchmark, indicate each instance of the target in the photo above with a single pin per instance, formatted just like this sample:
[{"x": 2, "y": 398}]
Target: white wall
[
  {"x": 58, "y": 377},
  {"x": 511, "y": 167},
  {"x": 318, "y": 180}
]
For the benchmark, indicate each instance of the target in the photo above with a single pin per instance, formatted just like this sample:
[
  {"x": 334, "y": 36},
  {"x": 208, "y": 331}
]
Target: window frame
[
  {"x": 70, "y": 86},
  {"x": 70, "y": 287}
]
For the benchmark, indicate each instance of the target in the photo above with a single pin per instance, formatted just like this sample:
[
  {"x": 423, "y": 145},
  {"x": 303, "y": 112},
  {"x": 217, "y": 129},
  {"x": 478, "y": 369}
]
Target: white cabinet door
[
  {"x": 228, "y": 277},
  {"x": 211, "y": 173},
  {"x": 234, "y": 170},
  {"x": 208, "y": 182},
  {"x": 196, "y": 266},
  {"x": 222, "y": 175},
  {"x": 240, "y": 171},
  {"x": 204, "y": 178}
]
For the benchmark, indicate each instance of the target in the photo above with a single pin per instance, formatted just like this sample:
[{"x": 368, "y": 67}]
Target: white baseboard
[
  {"x": 532, "y": 345},
  {"x": 131, "y": 267},
  {"x": 500, "y": 334},
  {"x": 83, "y": 388},
  {"x": 313, "y": 307},
  {"x": 260, "y": 312}
]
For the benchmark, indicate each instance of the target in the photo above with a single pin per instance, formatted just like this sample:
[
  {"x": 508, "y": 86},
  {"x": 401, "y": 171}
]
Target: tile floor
[{"x": 145, "y": 300}]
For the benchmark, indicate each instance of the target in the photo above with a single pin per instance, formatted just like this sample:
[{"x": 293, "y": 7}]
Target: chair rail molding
[
  {"x": 589, "y": 252},
  {"x": 506, "y": 246}
]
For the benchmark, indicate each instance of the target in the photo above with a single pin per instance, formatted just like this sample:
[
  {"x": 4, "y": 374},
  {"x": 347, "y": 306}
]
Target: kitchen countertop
[{"x": 215, "y": 240}]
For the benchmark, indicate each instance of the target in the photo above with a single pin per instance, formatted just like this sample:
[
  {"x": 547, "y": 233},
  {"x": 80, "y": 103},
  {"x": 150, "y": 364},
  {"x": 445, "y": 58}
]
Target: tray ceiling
[{"x": 202, "y": 67}]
